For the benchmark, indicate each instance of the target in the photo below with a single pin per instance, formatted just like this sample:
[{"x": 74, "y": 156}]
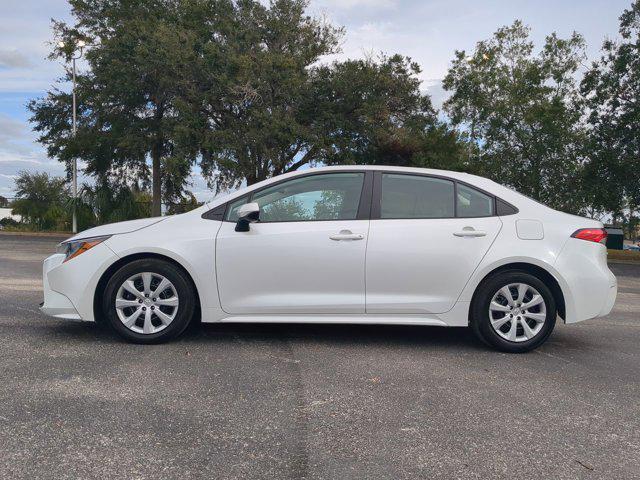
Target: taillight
[{"x": 598, "y": 235}]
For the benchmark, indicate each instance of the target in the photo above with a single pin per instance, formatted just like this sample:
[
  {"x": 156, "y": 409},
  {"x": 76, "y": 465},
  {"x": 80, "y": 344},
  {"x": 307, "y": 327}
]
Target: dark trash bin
[{"x": 615, "y": 238}]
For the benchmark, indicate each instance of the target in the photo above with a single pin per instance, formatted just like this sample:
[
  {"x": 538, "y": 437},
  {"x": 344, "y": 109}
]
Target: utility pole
[{"x": 80, "y": 44}]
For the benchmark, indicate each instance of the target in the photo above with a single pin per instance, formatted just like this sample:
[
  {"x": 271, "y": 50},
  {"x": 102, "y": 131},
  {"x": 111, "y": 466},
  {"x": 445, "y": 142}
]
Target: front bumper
[
  {"x": 56, "y": 304},
  {"x": 69, "y": 287}
]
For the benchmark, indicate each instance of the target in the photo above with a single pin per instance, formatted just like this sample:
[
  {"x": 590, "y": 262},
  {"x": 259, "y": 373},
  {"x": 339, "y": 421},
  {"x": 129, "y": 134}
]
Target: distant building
[{"x": 6, "y": 213}]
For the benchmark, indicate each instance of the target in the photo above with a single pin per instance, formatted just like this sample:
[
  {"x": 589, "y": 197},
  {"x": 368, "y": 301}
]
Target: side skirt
[
  {"x": 348, "y": 319},
  {"x": 458, "y": 316}
]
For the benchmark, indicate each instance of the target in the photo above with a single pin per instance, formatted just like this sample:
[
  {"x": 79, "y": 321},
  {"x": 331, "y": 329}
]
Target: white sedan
[{"x": 368, "y": 245}]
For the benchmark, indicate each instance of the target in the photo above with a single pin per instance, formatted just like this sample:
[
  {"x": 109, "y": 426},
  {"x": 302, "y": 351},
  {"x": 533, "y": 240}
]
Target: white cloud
[
  {"x": 430, "y": 31},
  {"x": 10, "y": 128},
  {"x": 17, "y": 140},
  {"x": 436, "y": 92},
  {"x": 351, "y": 4},
  {"x": 11, "y": 163},
  {"x": 25, "y": 33},
  {"x": 13, "y": 58},
  {"x": 19, "y": 151}
]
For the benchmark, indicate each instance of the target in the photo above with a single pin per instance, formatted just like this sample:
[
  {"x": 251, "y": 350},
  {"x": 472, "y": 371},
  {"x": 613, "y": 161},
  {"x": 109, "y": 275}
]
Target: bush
[{"x": 9, "y": 222}]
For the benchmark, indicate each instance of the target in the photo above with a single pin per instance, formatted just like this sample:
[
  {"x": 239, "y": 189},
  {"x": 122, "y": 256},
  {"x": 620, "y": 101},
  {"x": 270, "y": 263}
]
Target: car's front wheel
[
  {"x": 149, "y": 301},
  {"x": 513, "y": 311}
]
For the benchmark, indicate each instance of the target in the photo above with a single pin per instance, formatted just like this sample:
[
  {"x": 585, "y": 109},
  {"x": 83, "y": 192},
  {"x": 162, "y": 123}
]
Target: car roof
[{"x": 389, "y": 168}]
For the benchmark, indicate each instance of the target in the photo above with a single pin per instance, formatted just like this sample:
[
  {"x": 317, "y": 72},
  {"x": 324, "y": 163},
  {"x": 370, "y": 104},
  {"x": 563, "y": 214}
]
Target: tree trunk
[
  {"x": 156, "y": 153},
  {"x": 156, "y": 207},
  {"x": 253, "y": 176}
]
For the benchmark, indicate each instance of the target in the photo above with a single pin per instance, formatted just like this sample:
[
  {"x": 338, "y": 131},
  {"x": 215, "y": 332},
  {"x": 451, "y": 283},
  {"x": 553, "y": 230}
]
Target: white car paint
[
  {"x": 292, "y": 268},
  {"x": 417, "y": 271},
  {"x": 418, "y": 278},
  {"x": 118, "y": 228},
  {"x": 530, "y": 229}
]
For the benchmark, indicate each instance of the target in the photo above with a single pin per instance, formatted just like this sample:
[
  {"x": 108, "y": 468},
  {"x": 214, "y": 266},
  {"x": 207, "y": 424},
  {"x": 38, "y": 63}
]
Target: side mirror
[{"x": 247, "y": 213}]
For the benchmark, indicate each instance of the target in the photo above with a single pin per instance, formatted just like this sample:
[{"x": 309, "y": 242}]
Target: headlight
[{"x": 76, "y": 247}]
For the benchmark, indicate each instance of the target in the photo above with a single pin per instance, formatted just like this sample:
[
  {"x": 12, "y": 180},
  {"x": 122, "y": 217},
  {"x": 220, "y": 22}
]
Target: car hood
[{"x": 118, "y": 228}]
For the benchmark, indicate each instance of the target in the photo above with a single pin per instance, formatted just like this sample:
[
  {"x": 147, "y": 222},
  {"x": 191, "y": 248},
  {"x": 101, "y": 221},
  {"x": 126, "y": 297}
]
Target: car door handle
[
  {"x": 470, "y": 232},
  {"x": 346, "y": 235}
]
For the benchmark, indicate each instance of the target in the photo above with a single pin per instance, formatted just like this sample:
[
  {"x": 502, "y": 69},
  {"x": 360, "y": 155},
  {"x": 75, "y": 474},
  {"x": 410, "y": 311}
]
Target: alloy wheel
[
  {"x": 517, "y": 312},
  {"x": 147, "y": 303}
]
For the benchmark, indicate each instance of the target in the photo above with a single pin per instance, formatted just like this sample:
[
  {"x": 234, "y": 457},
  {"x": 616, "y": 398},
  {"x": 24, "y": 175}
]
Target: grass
[
  {"x": 31, "y": 232},
  {"x": 624, "y": 256}
]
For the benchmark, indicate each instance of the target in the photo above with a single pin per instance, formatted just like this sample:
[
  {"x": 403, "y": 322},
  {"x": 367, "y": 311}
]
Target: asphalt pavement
[{"x": 316, "y": 402}]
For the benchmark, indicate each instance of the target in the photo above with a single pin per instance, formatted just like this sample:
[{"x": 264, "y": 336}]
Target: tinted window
[
  {"x": 232, "y": 211},
  {"x": 412, "y": 196},
  {"x": 472, "y": 203},
  {"x": 332, "y": 196}
]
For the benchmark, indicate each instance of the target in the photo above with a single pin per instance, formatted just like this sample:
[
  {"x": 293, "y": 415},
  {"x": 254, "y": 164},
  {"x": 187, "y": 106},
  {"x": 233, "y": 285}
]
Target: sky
[{"x": 428, "y": 31}]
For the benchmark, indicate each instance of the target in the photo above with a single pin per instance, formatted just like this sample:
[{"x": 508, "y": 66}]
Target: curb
[
  {"x": 36, "y": 234},
  {"x": 625, "y": 262}
]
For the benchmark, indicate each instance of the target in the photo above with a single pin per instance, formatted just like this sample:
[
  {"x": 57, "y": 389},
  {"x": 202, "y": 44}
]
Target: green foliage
[
  {"x": 41, "y": 201},
  {"x": 127, "y": 108},
  {"x": 235, "y": 86},
  {"x": 522, "y": 112},
  {"x": 255, "y": 88},
  {"x": 44, "y": 203},
  {"x": 329, "y": 206},
  {"x": 373, "y": 112},
  {"x": 238, "y": 88},
  {"x": 4, "y": 202},
  {"x": 9, "y": 223},
  {"x": 106, "y": 203},
  {"x": 285, "y": 209},
  {"x": 186, "y": 204},
  {"x": 612, "y": 93}
]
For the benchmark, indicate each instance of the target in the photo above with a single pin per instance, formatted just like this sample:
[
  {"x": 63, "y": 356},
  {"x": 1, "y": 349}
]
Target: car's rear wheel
[
  {"x": 513, "y": 311},
  {"x": 149, "y": 301}
]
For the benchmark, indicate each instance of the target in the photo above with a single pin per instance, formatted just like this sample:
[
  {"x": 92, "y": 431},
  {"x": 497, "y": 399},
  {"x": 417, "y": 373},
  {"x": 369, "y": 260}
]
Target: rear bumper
[
  {"x": 611, "y": 300},
  {"x": 591, "y": 287}
]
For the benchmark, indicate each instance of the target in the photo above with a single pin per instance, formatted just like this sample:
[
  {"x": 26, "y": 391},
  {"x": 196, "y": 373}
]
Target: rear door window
[
  {"x": 416, "y": 196},
  {"x": 473, "y": 203}
]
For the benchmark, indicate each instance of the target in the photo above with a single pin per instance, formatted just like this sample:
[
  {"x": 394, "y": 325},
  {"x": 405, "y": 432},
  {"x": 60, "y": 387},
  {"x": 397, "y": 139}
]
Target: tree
[
  {"x": 254, "y": 87},
  {"x": 127, "y": 96},
  {"x": 521, "y": 111},
  {"x": 188, "y": 203},
  {"x": 235, "y": 85},
  {"x": 612, "y": 93},
  {"x": 4, "y": 202},
  {"x": 373, "y": 112},
  {"x": 104, "y": 203},
  {"x": 272, "y": 108},
  {"x": 41, "y": 200}
]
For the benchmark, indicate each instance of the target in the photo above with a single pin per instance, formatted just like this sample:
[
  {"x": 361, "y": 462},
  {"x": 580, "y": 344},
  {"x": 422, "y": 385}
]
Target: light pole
[{"x": 78, "y": 47}]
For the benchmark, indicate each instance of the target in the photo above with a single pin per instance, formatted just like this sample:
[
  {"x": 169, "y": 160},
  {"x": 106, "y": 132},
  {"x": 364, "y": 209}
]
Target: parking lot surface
[{"x": 317, "y": 402}]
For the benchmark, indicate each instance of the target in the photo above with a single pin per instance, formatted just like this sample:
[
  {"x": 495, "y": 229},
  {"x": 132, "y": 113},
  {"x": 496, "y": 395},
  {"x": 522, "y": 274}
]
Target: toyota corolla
[{"x": 366, "y": 245}]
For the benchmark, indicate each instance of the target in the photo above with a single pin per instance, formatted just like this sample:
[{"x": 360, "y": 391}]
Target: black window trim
[{"x": 370, "y": 197}]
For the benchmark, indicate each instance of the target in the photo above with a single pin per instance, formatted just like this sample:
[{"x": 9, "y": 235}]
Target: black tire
[
  {"x": 184, "y": 290},
  {"x": 480, "y": 321}
]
